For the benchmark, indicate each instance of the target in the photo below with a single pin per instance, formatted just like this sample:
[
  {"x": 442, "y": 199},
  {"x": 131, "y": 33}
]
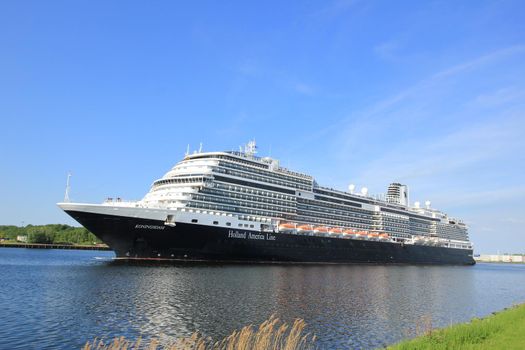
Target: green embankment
[
  {"x": 503, "y": 330},
  {"x": 49, "y": 234}
]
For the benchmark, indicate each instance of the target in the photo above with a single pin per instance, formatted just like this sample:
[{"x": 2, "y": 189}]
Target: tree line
[{"x": 53, "y": 233}]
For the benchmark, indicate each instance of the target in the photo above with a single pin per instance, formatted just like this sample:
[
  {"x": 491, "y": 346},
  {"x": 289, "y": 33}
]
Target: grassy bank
[
  {"x": 502, "y": 330},
  {"x": 270, "y": 335}
]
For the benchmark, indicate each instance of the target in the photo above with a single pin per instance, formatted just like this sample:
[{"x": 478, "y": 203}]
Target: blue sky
[{"x": 431, "y": 94}]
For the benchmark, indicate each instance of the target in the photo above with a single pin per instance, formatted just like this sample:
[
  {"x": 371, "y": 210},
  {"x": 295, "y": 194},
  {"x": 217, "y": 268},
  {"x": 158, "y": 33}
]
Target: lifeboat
[
  {"x": 305, "y": 228},
  {"x": 335, "y": 231},
  {"x": 349, "y": 232},
  {"x": 320, "y": 229},
  {"x": 383, "y": 236},
  {"x": 287, "y": 227},
  {"x": 361, "y": 234},
  {"x": 373, "y": 236}
]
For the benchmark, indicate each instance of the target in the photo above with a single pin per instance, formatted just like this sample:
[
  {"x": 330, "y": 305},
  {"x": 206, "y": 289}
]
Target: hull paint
[{"x": 137, "y": 238}]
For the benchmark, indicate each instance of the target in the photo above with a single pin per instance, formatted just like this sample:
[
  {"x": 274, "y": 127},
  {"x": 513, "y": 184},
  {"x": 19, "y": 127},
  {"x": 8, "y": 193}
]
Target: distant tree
[
  {"x": 39, "y": 237},
  {"x": 53, "y": 233}
]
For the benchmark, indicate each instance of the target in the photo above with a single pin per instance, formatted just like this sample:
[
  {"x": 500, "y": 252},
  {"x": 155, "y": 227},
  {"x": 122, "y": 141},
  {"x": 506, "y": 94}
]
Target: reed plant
[{"x": 272, "y": 334}]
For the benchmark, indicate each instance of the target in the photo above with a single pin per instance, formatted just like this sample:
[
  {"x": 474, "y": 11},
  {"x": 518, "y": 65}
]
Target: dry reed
[{"x": 272, "y": 334}]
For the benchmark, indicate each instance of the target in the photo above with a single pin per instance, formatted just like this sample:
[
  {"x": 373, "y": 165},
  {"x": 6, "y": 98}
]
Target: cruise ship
[{"x": 234, "y": 206}]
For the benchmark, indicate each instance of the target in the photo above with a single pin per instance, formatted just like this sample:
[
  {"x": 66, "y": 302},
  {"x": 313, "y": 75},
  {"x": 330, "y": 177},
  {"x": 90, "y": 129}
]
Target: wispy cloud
[
  {"x": 486, "y": 197},
  {"x": 499, "y": 97},
  {"x": 480, "y": 61},
  {"x": 446, "y": 153},
  {"x": 387, "y": 49},
  {"x": 403, "y": 105},
  {"x": 304, "y": 89}
]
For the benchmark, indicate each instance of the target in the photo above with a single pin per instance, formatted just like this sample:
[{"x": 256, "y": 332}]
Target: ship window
[
  {"x": 215, "y": 222},
  {"x": 240, "y": 225},
  {"x": 251, "y": 226},
  {"x": 228, "y": 224},
  {"x": 245, "y": 225},
  {"x": 194, "y": 220}
]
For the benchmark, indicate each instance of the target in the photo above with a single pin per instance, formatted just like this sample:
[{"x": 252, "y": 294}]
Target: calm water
[{"x": 58, "y": 299}]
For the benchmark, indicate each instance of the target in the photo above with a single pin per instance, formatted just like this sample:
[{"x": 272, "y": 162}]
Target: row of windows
[
  {"x": 343, "y": 218},
  {"x": 260, "y": 178},
  {"x": 253, "y": 185},
  {"x": 326, "y": 204},
  {"x": 253, "y": 191},
  {"x": 232, "y": 159},
  {"x": 346, "y": 213},
  {"x": 266, "y": 173},
  {"x": 179, "y": 180},
  {"x": 241, "y": 203},
  {"x": 251, "y": 211},
  {"x": 244, "y": 195},
  {"x": 342, "y": 195}
]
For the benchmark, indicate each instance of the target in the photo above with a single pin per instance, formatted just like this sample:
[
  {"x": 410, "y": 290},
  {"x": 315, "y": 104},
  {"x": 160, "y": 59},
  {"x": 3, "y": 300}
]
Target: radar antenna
[
  {"x": 66, "y": 195},
  {"x": 251, "y": 148}
]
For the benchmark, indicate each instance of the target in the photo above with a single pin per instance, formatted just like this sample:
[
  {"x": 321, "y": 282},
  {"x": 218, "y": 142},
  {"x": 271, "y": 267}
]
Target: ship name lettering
[
  {"x": 254, "y": 236},
  {"x": 150, "y": 227},
  {"x": 236, "y": 234},
  {"x": 270, "y": 237}
]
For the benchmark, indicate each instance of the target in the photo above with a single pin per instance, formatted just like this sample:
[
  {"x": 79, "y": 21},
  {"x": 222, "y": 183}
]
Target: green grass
[{"x": 503, "y": 330}]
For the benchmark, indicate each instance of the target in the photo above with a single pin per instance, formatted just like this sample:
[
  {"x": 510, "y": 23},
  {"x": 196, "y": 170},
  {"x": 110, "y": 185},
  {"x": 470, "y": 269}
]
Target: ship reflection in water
[{"x": 60, "y": 299}]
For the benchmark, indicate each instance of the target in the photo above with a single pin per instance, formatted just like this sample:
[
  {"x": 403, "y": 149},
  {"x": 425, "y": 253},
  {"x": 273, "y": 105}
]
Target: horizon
[{"x": 427, "y": 94}]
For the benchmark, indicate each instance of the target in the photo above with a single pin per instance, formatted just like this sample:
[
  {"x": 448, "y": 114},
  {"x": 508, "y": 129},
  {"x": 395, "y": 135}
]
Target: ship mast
[{"x": 66, "y": 195}]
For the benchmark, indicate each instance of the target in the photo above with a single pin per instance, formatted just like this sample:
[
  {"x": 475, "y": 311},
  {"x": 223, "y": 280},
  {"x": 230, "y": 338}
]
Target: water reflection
[{"x": 67, "y": 299}]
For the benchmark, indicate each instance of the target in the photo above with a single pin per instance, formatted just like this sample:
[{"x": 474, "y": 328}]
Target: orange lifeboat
[
  {"x": 304, "y": 228},
  {"x": 373, "y": 235},
  {"x": 361, "y": 234},
  {"x": 335, "y": 230},
  {"x": 287, "y": 227},
  {"x": 320, "y": 229},
  {"x": 349, "y": 232},
  {"x": 383, "y": 236}
]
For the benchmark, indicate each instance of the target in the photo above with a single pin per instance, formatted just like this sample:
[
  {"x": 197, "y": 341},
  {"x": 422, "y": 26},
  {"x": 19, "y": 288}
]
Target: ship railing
[{"x": 120, "y": 202}]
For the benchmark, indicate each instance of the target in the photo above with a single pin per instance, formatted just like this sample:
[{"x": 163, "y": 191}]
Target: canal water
[{"x": 59, "y": 299}]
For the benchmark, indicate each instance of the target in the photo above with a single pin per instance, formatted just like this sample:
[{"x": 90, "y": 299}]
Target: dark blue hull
[{"x": 151, "y": 239}]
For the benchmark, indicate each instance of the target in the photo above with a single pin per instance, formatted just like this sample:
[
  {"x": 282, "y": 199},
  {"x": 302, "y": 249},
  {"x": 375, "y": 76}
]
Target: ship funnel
[
  {"x": 351, "y": 188},
  {"x": 398, "y": 194}
]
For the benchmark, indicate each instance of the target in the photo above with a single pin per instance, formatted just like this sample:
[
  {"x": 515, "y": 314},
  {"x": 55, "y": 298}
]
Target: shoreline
[
  {"x": 53, "y": 246},
  {"x": 504, "y": 329}
]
